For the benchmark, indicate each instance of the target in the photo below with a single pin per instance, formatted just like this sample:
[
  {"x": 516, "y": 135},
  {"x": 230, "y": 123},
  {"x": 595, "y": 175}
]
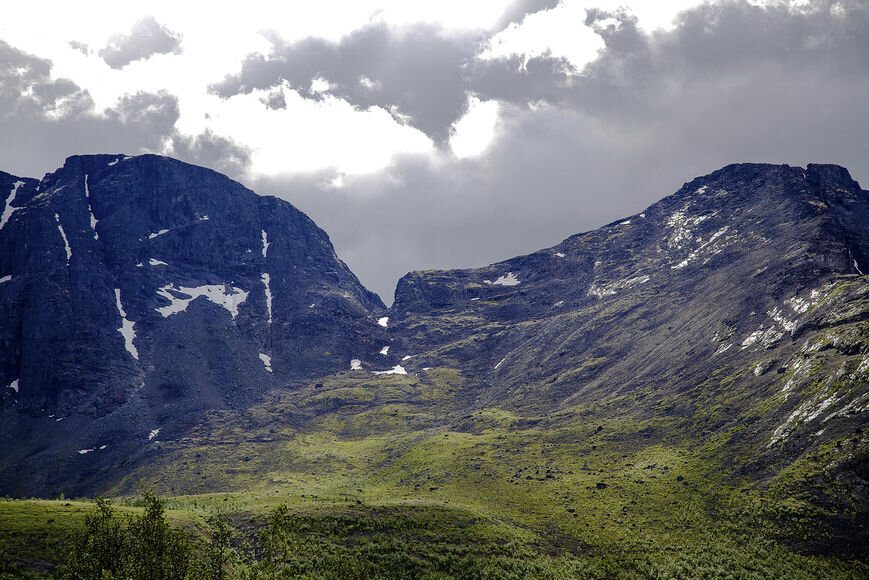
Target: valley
[{"x": 681, "y": 393}]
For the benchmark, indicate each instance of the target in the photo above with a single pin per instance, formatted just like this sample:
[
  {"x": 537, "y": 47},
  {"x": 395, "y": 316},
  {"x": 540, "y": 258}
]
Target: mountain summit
[{"x": 135, "y": 290}]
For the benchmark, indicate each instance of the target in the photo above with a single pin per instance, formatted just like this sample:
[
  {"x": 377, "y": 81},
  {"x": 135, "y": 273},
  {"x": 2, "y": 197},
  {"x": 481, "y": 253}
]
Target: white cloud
[
  {"x": 474, "y": 132},
  {"x": 309, "y": 135},
  {"x": 560, "y": 32}
]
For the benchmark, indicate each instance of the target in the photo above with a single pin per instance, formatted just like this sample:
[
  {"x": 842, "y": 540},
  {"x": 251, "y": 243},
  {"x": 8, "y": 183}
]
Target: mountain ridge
[{"x": 726, "y": 326}]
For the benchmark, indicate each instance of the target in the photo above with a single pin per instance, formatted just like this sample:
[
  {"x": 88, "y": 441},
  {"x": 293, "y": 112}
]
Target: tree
[
  {"x": 157, "y": 551},
  {"x": 218, "y": 550},
  {"x": 148, "y": 548},
  {"x": 97, "y": 550}
]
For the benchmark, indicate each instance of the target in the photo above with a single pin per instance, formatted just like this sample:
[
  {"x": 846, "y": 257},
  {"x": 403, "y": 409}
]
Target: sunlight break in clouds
[
  {"x": 473, "y": 133},
  {"x": 307, "y": 135}
]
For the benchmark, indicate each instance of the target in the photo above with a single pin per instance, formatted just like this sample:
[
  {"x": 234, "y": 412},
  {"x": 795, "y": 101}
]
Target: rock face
[
  {"x": 736, "y": 309},
  {"x": 135, "y": 291},
  {"x": 734, "y": 264}
]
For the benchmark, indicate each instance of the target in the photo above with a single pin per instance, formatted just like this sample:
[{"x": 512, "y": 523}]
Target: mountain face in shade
[{"x": 136, "y": 290}]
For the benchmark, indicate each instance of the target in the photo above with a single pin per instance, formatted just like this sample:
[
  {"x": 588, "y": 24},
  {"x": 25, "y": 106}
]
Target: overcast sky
[{"x": 448, "y": 133}]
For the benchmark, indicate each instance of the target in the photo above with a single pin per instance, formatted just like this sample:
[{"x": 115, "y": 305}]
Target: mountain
[
  {"x": 137, "y": 292},
  {"x": 705, "y": 360}
]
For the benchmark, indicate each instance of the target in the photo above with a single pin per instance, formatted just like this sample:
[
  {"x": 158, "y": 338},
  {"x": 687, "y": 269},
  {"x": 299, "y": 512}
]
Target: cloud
[
  {"x": 44, "y": 120},
  {"x": 516, "y": 11},
  {"x": 147, "y": 38},
  {"x": 416, "y": 72},
  {"x": 219, "y": 153}
]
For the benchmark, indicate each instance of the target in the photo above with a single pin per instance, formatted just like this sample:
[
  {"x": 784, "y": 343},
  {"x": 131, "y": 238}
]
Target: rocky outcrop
[{"x": 138, "y": 290}]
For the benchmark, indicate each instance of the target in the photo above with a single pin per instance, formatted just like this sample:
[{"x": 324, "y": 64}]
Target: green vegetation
[
  {"x": 145, "y": 546},
  {"x": 317, "y": 539}
]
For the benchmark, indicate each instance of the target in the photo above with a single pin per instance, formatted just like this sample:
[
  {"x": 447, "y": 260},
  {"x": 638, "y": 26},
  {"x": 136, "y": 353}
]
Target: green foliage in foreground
[
  {"x": 412, "y": 541},
  {"x": 146, "y": 547}
]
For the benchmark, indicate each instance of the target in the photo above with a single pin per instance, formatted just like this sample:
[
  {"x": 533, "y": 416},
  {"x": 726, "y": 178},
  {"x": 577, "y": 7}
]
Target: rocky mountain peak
[{"x": 138, "y": 289}]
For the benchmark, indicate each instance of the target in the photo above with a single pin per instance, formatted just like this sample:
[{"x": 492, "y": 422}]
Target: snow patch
[
  {"x": 805, "y": 413},
  {"x": 611, "y": 288},
  {"x": 160, "y": 233},
  {"x": 355, "y": 364},
  {"x": 701, "y": 190},
  {"x": 766, "y": 338},
  {"x": 724, "y": 348},
  {"x": 154, "y": 262},
  {"x": 5, "y": 278},
  {"x": 220, "y": 294},
  {"x": 266, "y": 282},
  {"x": 801, "y": 305},
  {"x": 14, "y": 385},
  {"x": 384, "y": 350},
  {"x": 59, "y": 420},
  {"x": 65, "y": 241},
  {"x": 383, "y": 321},
  {"x": 472, "y": 299},
  {"x": 396, "y": 370},
  {"x": 855, "y": 407},
  {"x": 682, "y": 224},
  {"x": 499, "y": 363},
  {"x": 508, "y": 279},
  {"x": 87, "y": 195},
  {"x": 153, "y": 433},
  {"x": 115, "y": 162},
  {"x": 9, "y": 210},
  {"x": 559, "y": 303},
  {"x": 788, "y": 325},
  {"x": 267, "y": 361},
  {"x": 85, "y": 451},
  {"x": 715, "y": 249},
  {"x": 265, "y": 244},
  {"x": 126, "y": 328},
  {"x": 559, "y": 254},
  {"x": 406, "y": 357},
  {"x": 625, "y": 223}
]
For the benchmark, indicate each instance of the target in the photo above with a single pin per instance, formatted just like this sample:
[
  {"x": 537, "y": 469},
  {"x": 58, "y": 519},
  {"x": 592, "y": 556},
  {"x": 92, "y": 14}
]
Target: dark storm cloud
[
  {"x": 44, "y": 120},
  {"x": 214, "y": 151},
  {"x": 417, "y": 71},
  {"x": 147, "y": 38}
]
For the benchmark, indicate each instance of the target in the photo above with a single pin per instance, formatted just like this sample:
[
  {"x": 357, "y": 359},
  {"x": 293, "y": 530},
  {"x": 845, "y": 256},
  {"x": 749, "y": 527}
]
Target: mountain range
[{"x": 162, "y": 323}]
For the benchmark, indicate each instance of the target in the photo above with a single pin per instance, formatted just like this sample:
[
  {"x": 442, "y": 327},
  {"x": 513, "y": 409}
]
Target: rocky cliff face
[
  {"x": 735, "y": 310},
  {"x": 734, "y": 264},
  {"x": 136, "y": 291}
]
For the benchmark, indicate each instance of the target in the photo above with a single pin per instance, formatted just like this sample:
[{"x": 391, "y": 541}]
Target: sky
[{"x": 442, "y": 134}]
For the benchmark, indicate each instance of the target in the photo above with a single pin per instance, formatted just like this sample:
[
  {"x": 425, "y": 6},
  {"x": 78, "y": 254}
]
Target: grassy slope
[{"x": 578, "y": 492}]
